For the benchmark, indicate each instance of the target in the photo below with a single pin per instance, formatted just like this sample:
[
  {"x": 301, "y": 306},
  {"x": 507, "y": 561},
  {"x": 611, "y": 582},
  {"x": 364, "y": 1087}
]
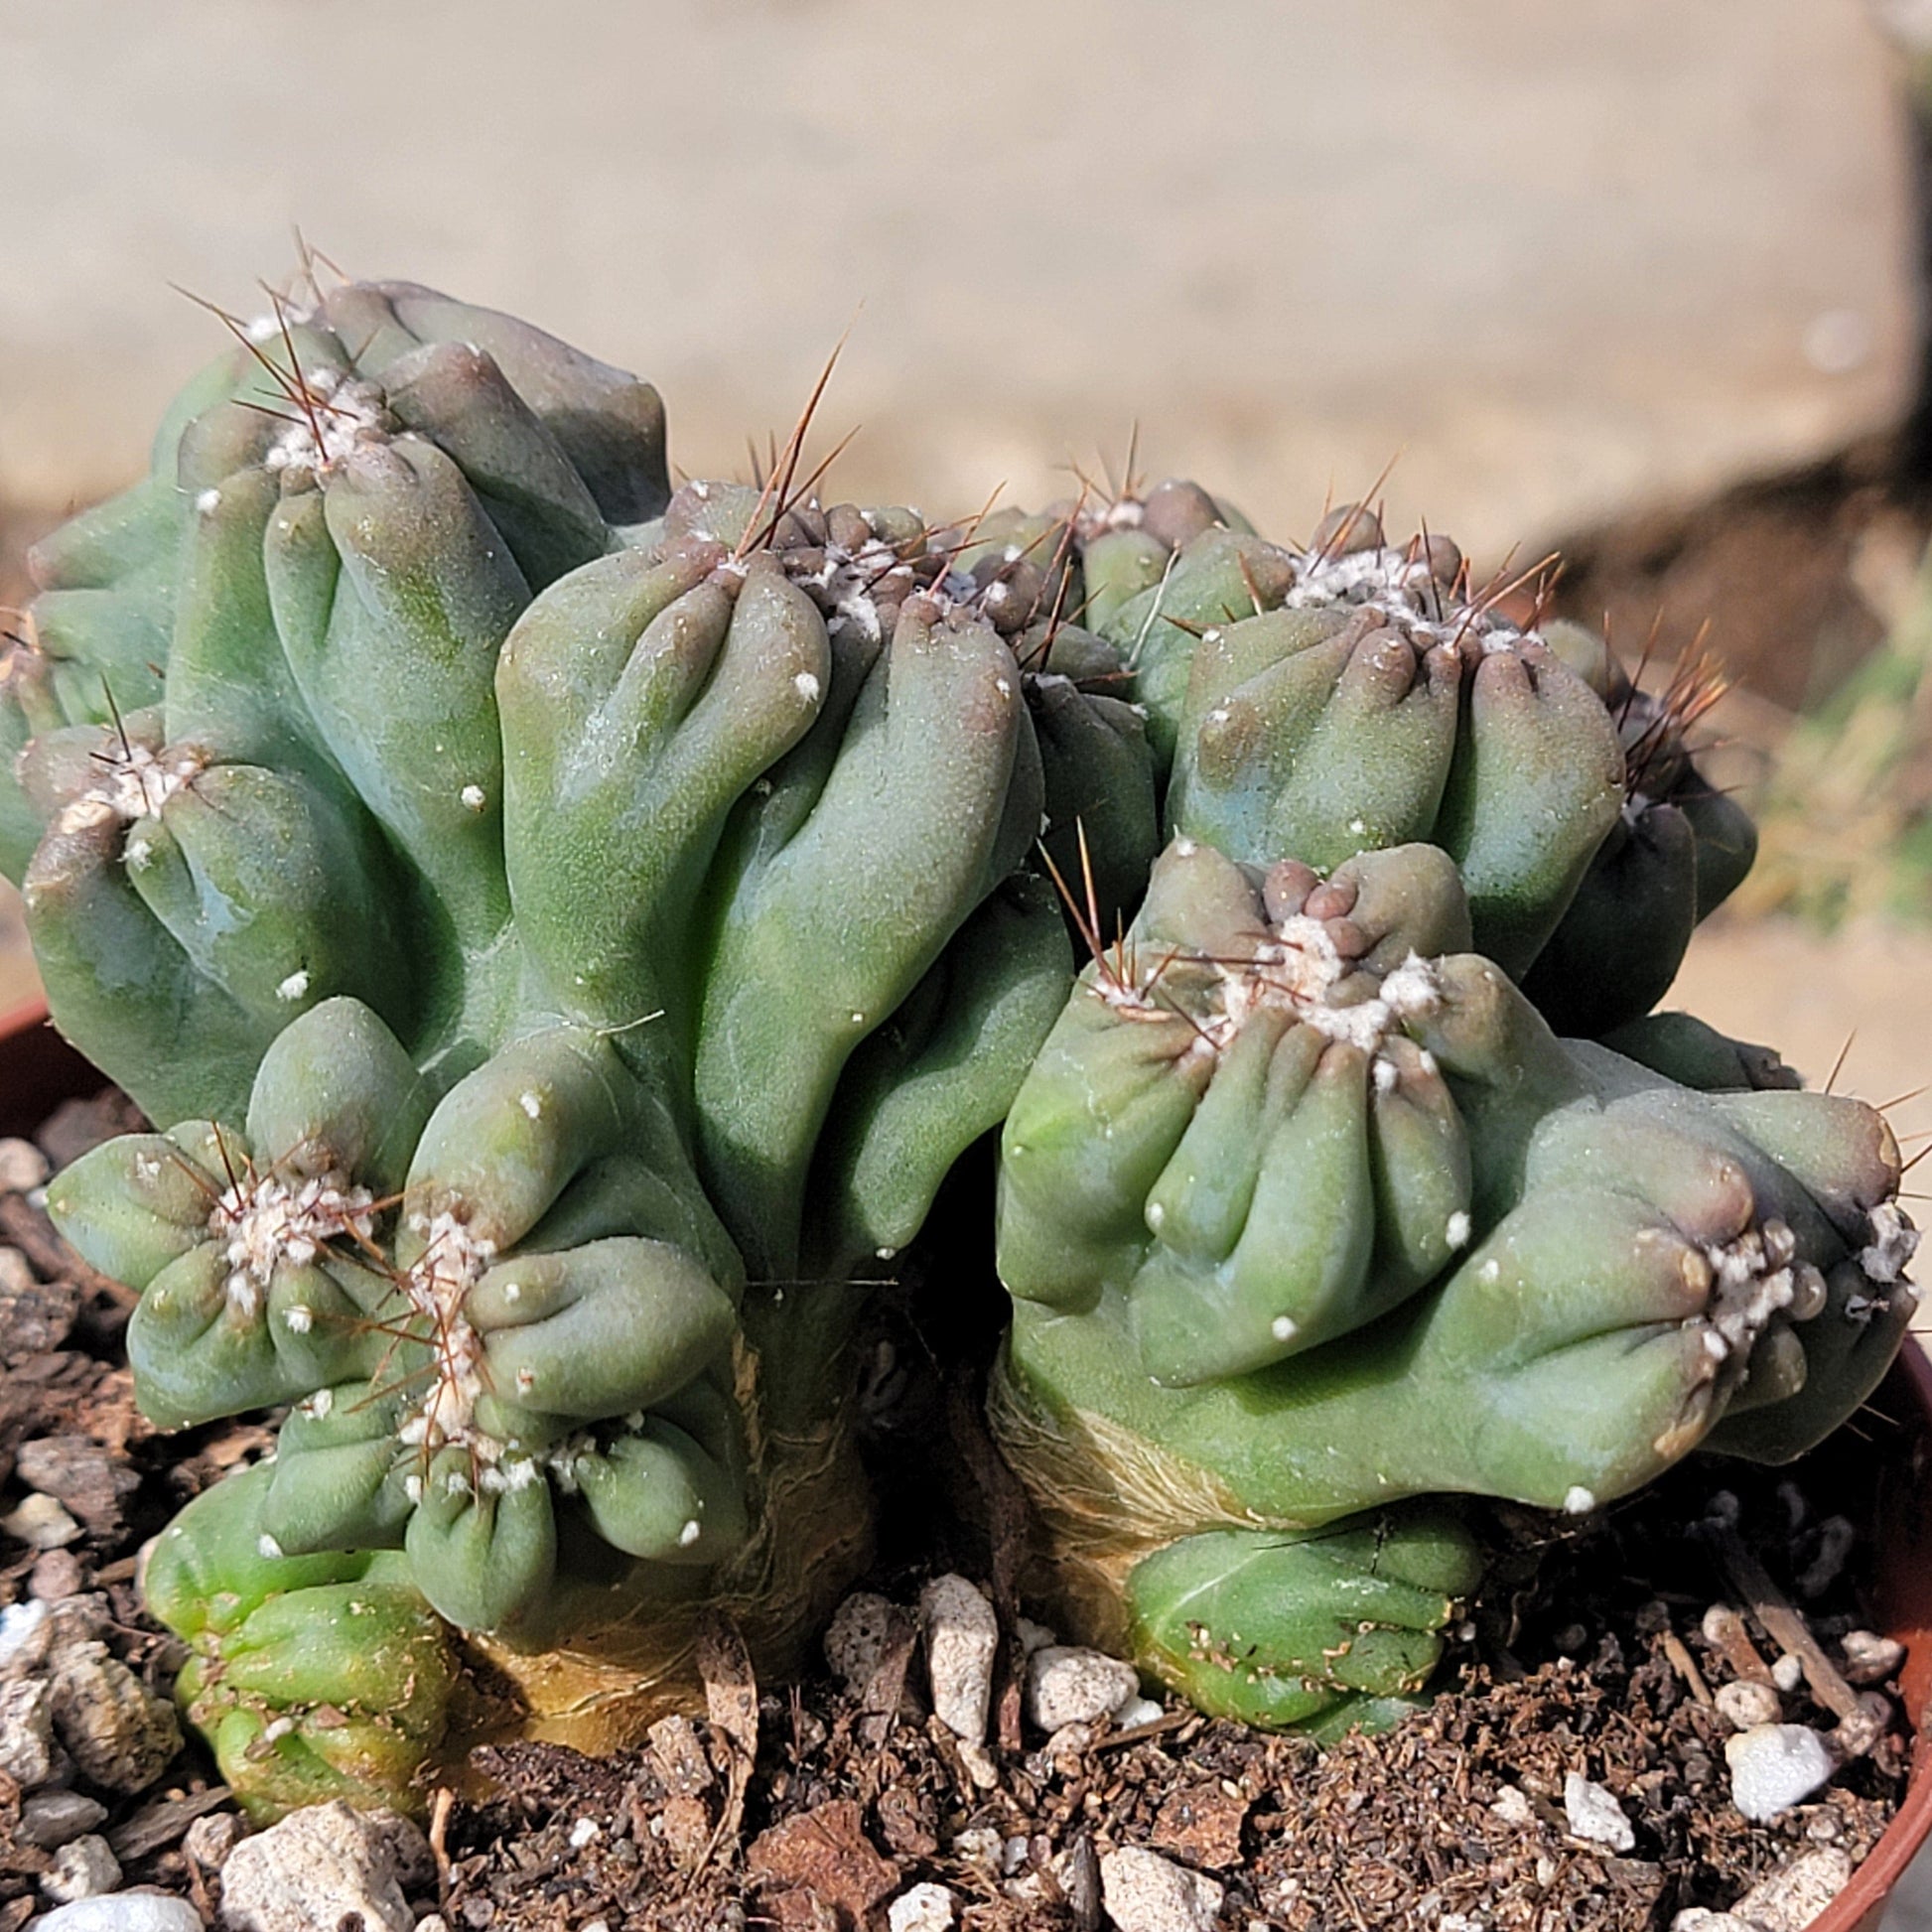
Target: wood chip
[
  {"x": 1783, "y": 1624},
  {"x": 164, "y": 1822}
]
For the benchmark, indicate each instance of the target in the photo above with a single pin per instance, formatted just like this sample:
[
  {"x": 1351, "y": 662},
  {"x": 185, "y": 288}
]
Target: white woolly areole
[
  {"x": 1401, "y": 584},
  {"x": 1125, "y": 512},
  {"x": 262, "y": 1220},
  {"x": 270, "y": 327},
  {"x": 438, "y": 1286},
  {"x": 130, "y": 783},
  {"x": 1752, "y": 1278},
  {"x": 1300, "y": 972},
  {"x": 1892, "y": 1241},
  {"x": 845, "y": 583},
  {"x": 342, "y": 415}
]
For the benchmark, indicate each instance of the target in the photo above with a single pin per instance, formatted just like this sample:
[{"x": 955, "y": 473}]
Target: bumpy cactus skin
[
  {"x": 1336, "y": 1628},
  {"x": 313, "y": 1678},
  {"x": 1378, "y": 705},
  {"x": 1279, "y": 1163},
  {"x": 275, "y": 660},
  {"x": 1678, "y": 850},
  {"x": 564, "y": 932},
  {"x": 1305, "y": 1214}
]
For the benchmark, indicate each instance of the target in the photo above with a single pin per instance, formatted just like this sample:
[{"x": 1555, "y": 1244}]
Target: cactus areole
[{"x": 564, "y": 932}]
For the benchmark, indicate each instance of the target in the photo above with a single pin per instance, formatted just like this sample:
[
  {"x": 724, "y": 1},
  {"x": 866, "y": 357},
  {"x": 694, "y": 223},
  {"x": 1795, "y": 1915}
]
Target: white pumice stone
[
  {"x": 84, "y": 1867},
  {"x": 1792, "y": 1896},
  {"x": 1145, "y": 1892},
  {"x": 855, "y": 1639},
  {"x": 962, "y": 1638},
  {"x": 1775, "y": 1767},
  {"x": 921, "y": 1908},
  {"x": 1870, "y": 1658},
  {"x": 1066, "y": 1684},
  {"x": 313, "y": 1869},
  {"x": 121, "y": 1912},
  {"x": 1743, "y": 1703},
  {"x": 1595, "y": 1814}
]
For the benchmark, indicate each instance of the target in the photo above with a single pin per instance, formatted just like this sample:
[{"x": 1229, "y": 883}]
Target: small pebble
[
  {"x": 1743, "y": 1703},
  {"x": 51, "y": 1819},
  {"x": 121, "y": 1733},
  {"x": 921, "y": 1908},
  {"x": 26, "y": 1631},
  {"x": 121, "y": 1912},
  {"x": 1068, "y": 1742},
  {"x": 313, "y": 1869},
  {"x": 214, "y": 1835},
  {"x": 980, "y": 1846},
  {"x": 855, "y": 1639},
  {"x": 1795, "y": 1894},
  {"x": 1131, "y": 1713},
  {"x": 1066, "y": 1684},
  {"x": 1034, "y": 1637},
  {"x": 1775, "y": 1767},
  {"x": 1870, "y": 1658},
  {"x": 1145, "y": 1892},
  {"x": 56, "y": 1575},
  {"x": 1697, "y": 1919},
  {"x": 23, "y": 1166},
  {"x": 87, "y": 1868},
  {"x": 1853, "y": 1735},
  {"x": 28, "y": 1753},
  {"x": 41, "y": 1523},
  {"x": 962, "y": 1638},
  {"x": 1595, "y": 1814},
  {"x": 1512, "y": 1807},
  {"x": 1788, "y": 1673}
]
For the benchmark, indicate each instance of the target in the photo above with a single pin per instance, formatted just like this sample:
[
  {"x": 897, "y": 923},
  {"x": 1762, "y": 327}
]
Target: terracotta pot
[{"x": 39, "y": 1069}]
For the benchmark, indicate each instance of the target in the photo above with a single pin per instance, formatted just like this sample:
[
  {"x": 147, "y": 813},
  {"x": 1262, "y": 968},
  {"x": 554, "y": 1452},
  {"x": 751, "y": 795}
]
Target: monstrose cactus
[{"x": 564, "y": 932}]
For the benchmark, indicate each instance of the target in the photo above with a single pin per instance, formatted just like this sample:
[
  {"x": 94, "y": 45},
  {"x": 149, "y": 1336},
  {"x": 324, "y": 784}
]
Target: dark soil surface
[{"x": 810, "y": 1807}]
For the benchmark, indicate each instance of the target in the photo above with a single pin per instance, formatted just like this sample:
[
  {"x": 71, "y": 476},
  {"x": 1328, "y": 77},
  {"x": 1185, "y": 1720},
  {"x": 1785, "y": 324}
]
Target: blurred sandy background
[{"x": 1564, "y": 261}]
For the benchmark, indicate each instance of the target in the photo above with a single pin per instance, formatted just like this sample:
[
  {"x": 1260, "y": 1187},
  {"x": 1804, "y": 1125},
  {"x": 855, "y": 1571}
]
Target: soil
[{"x": 812, "y": 1806}]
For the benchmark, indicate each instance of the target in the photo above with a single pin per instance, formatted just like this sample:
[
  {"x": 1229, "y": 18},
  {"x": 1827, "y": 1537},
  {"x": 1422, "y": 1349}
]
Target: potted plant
[{"x": 565, "y": 932}]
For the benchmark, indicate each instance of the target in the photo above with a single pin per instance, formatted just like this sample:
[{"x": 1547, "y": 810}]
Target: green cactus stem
[
  {"x": 1677, "y": 851},
  {"x": 1216, "y": 1327},
  {"x": 314, "y": 1678},
  {"x": 1378, "y": 701}
]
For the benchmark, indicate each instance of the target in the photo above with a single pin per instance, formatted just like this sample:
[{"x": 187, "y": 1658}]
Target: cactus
[
  {"x": 565, "y": 935},
  {"x": 566, "y": 932},
  {"x": 1306, "y": 1212},
  {"x": 285, "y": 672},
  {"x": 1678, "y": 850}
]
